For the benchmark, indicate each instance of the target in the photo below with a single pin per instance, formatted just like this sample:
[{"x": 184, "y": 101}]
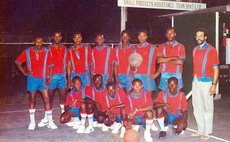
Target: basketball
[{"x": 135, "y": 59}]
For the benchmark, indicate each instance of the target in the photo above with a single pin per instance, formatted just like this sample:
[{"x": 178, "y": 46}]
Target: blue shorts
[
  {"x": 171, "y": 118},
  {"x": 58, "y": 81},
  {"x": 34, "y": 84},
  {"x": 148, "y": 83},
  {"x": 164, "y": 80},
  {"x": 118, "y": 118},
  {"x": 85, "y": 78},
  {"x": 139, "y": 120},
  {"x": 75, "y": 111},
  {"x": 125, "y": 81}
]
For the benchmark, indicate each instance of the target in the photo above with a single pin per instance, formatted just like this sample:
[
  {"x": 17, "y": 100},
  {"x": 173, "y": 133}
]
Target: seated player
[
  {"x": 171, "y": 108},
  {"x": 115, "y": 99},
  {"x": 140, "y": 108},
  {"x": 73, "y": 103}
]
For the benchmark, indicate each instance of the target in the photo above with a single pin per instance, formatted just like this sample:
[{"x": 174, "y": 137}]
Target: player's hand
[
  {"x": 212, "y": 90},
  {"x": 48, "y": 81},
  {"x": 73, "y": 104},
  {"x": 27, "y": 73},
  {"x": 169, "y": 108},
  {"x": 108, "y": 111},
  {"x": 131, "y": 115},
  {"x": 154, "y": 75},
  {"x": 69, "y": 85},
  {"x": 175, "y": 58}
]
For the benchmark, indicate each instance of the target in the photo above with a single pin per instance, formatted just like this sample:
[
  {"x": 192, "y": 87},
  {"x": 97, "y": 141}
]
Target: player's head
[
  {"x": 111, "y": 88},
  {"x": 100, "y": 39},
  {"x": 97, "y": 80},
  {"x": 38, "y": 42},
  {"x": 57, "y": 37},
  {"x": 142, "y": 36},
  {"x": 201, "y": 36},
  {"x": 170, "y": 33},
  {"x": 172, "y": 85},
  {"x": 125, "y": 36},
  {"x": 77, "y": 84},
  {"x": 77, "y": 38},
  {"x": 137, "y": 85}
]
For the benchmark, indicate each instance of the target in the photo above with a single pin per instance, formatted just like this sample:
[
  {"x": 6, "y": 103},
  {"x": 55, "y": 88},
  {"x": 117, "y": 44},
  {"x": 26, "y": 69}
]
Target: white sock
[
  {"x": 49, "y": 115},
  {"x": 32, "y": 115},
  {"x": 62, "y": 108},
  {"x": 161, "y": 123},
  {"x": 90, "y": 119},
  {"x": 149, "y": 123},
  {"x": 75, "y": 119},
  {"x": 83, "y": 118}
]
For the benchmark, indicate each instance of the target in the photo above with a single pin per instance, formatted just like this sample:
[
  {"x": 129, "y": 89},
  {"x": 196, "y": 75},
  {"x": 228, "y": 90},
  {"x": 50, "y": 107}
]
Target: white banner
[
  {"x": 228, "y": 51},
  {"x": 160, "y": 4}
]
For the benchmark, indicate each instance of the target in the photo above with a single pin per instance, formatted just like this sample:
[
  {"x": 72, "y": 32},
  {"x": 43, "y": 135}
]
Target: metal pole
[
  {"x": 217, "y": 44},
  {"x": 123, "y": 18}
]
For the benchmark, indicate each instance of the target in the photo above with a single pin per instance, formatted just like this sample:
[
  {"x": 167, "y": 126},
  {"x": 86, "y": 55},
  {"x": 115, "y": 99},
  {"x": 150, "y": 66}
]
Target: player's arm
[
  {"x": 115, "y": 69},
  {"x": 212, "y": 90},
  {"x": 162, "y": 59},
  {"x": 49, "y": 79},
  {"x": 115, "y": 106},
  {"x": 177, "y": 62},
  {"x": 24, "y": 72},
  {"x": 69, "y": 70}
]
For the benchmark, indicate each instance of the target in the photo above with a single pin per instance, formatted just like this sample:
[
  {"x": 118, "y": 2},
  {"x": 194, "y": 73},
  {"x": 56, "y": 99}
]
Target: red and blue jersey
[
  {"x": 59, "y": 54},
  {"x": 177, "y": 49},
  {"x": 102, "y": 58},
  {"x": 80, "y": 58},
  {"x": 134, "y": 101},
  {"x": 149, "y": 55},
  {"x": 177, "y": 102},
  {"x": 204, "y": 59},
  {"x": 122, "y": 56},
  {"x": 75, "y": 95},
  {"x": 37, "y": 63}
]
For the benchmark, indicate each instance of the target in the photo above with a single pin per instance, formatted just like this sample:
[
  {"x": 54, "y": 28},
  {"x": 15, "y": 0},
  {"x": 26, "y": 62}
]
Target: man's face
[
  {"x": 77, "y": 38},
  {"x": 77, "y": 84},
  {"x": 172, "y": 85},
  {"x": 171, "y": 35},
  {"x": 200, "y": 37},
  {"x": 98, "y": 82},
  {"x": 38, "y": 42},
  {"x": 57, "y": 37},
  {"x": 100, "y": 39},
  {"x": 111, "y": 90},
  {"x": 125, "y": 38},
  {"x": 142, "y": 37},
  {"x": 137, "y": 86}
]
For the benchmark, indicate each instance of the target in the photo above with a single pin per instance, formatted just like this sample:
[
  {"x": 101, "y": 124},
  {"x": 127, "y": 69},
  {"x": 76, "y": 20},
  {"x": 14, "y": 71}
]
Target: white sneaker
[
  {"x": 154, "y": 127},
  {"x": 43, "y": 122},
  {"x": 76, "y": 124},
  {"x": 147, "y": 136},
  {"x": 81, "y": 129},
  {"x": 95, "y": 123},
  {"x": 116, "y": 128},
  {"x": 51, "y": 125},
  {"x": 31, "y": 126},
  {"x": 89, "y": 129},
  {"x": 105, "y": 128},
  {"x": 70, "y": 124},
  {"x": 135, "y": 127},
  {"x": 122, "y": 134}
]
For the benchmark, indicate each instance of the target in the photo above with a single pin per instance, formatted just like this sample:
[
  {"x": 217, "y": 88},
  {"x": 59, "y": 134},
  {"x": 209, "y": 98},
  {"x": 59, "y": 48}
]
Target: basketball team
[{"x": 114, "y": 88}]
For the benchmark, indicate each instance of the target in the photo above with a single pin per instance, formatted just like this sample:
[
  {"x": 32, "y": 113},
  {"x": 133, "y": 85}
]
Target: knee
[
  {"x": 149, "y": 114},
  {"x": 159, "y": 112}
]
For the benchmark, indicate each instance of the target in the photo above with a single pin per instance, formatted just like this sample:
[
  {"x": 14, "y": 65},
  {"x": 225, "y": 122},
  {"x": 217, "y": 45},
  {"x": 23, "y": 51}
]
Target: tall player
[{"x": 39, "y": 75}]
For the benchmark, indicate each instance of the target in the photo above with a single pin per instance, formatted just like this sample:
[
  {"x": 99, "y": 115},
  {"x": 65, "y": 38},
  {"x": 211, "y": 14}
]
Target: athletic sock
[
  {"x": 161, "y": 123},
  {"x": 62, "y": 108},
  {"x": 90, "y": 119},
  {"x": 32, "y": 116},
  {"x": 83, "y": 118},
  {"x": 149, "y": 123}
]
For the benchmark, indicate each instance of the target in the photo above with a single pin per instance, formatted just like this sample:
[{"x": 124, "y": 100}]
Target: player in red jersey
[
  {"x": 39, "y": 75},
  {"x": 122, "y": 69},
  {"x": 171, "y": 57},
  {"x": 171, "y": 108},
  {"x": 103, "y": 57},
  {"x": 79, "y": 61}
]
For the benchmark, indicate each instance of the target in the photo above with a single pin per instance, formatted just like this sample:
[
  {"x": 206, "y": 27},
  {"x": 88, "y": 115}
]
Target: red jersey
[
  {"x": 80, "y": 58},
  {"x": 177, "y": 49},
  {"x": 133, "y": 101},
  {"x": 204, "y": 58},
  {"x": 75, "y": 95},
  {"x": 37, "y": 63},
  {"x": 96, "y": 95},
  {"x": 102, "y": 58},
  {"x": 59, "y": 54},
  {"x": 149, "y": 55},
  {"x": 123, "y": 58},
  {"x": 177, "y": 102},
  {"x": 118, "y": 99}
]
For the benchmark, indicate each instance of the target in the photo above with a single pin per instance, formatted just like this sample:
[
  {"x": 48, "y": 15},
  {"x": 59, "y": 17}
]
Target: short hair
[
  {"x": 97, "y": 75},
  {"x": 125, "y": 31},
  {"x": 111, "y": 83},
  {"x": 136, "y": 80},
  {"x": 173, "y": 79},
  {"x": 99, "y": 34},
  {"x": 202, "y": 30},
  {"x": 77, "y": 33},
  {"x": 57, "y": 32},
  {"x": 171, "y": 28},
  {"x": 76, "y": 78},
  {"x": 143, "y": 31}
]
